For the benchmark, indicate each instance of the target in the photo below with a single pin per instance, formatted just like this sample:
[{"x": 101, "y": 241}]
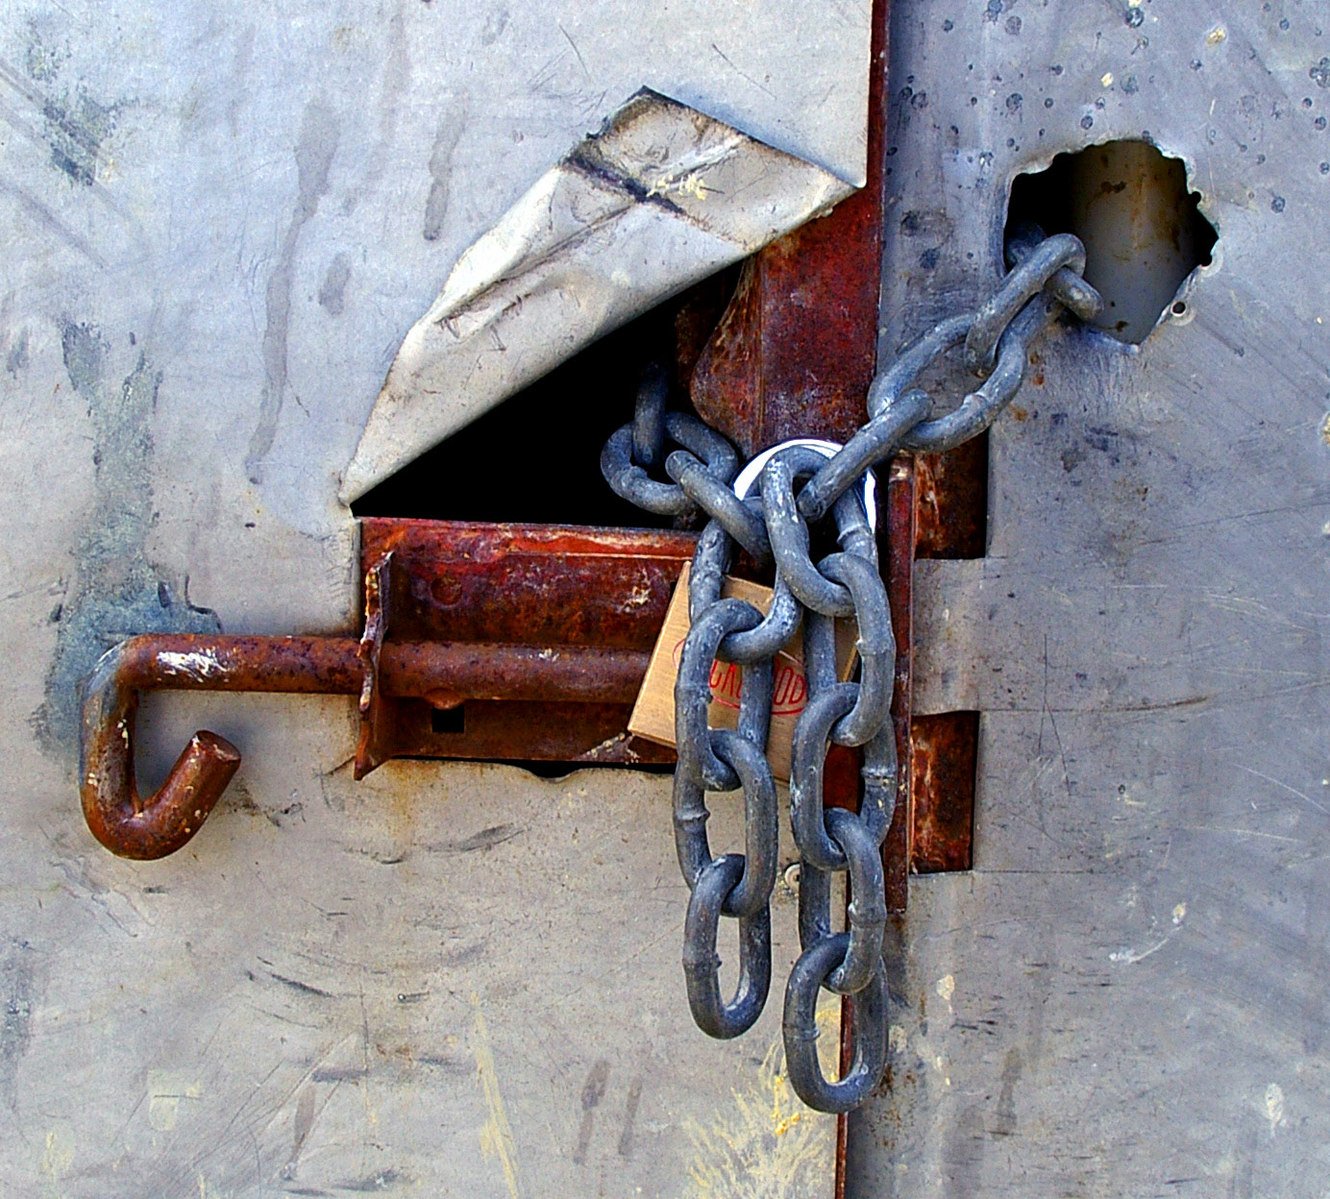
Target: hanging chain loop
[
  {"x": 770, "y": 513},
  {"x": 631, "y": 450}
]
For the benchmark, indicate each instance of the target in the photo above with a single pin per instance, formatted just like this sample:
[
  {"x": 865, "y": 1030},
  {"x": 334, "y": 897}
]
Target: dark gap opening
[
  {"x": 1143, "y": 230},
  {"x": 536, "y": 456},
  {"x": 952, "y": 504},
  {"x": 558, "y": 770},
  {"x": 448, "y": 720}
]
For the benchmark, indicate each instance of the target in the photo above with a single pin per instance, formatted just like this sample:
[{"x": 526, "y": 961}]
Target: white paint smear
[
  {"x": 201, "y": 664},
  {"x": 1274, "y": 1106}
]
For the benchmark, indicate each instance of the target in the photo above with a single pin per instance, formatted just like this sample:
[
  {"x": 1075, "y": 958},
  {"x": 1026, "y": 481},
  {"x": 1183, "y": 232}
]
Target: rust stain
[
  {"x": 952, "y": 499},
  {"x": 902, "y": 536},
  {"x": 943, "y": 759},
  {"x": 527, "y": 584}
]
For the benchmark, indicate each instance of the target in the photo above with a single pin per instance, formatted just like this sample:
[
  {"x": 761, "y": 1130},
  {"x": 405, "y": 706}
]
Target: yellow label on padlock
[{"x": 653, "y": 714}]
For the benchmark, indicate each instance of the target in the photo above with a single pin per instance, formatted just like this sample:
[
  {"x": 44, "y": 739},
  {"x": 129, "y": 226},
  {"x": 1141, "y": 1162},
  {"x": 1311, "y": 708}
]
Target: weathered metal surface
[
  {"x": 951, "y": 523},
  {"x": 219, "y": 224},
  {"x": 1126, "y": 994}
]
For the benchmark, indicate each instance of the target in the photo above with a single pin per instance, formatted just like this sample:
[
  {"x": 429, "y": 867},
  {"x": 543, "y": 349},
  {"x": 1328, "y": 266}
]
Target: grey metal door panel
[
  {"x": 1126, "y": 997},
  {"x": 459, "y": 981},
  {"x": 219, "y": 221}
]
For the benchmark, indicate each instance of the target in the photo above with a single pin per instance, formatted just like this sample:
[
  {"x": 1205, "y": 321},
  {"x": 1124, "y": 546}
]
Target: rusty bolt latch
[
  {"x": 588, "y": 687},
  {"x": 135, "y": 826}
]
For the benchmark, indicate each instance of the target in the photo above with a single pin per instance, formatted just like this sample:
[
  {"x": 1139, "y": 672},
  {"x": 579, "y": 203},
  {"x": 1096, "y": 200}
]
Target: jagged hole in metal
[{"x": 1143, "y": 230}]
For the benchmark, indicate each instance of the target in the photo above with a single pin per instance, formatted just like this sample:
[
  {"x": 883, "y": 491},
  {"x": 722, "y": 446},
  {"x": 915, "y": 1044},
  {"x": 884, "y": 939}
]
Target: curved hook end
[
  {"x": 126, "y": 823},
  {"x": 132, "y": 827}
]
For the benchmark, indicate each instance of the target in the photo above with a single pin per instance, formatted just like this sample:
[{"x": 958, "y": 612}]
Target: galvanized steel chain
[{"x": 798, "y": 486}]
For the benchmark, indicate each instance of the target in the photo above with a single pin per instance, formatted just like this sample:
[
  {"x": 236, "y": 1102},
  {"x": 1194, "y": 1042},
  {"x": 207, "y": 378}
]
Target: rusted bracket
[
  {"x": 538, "y": 636},
  {"x": 582, "y": 606}
]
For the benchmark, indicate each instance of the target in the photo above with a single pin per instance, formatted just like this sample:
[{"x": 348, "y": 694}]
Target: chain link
[
  {"x": 797, "y": 487},
  {"x": 638, "y": 445}
]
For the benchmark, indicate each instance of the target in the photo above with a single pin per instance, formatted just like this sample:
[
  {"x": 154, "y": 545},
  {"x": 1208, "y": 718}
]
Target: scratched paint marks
[
  {"x": 1273, "y": 1107},
  {"x": 767, "y": 1144},
  {"x": 332, "y": 291},
  {"x": 315, "y": 148},
  {"x": 17, "y": 994},
  {"x": 57, "y": 1159},
  {"x": 302, "y": 1124},
  {"x": 451, "y": 126},
  {"x": 68, "y": 127},
  {"x": 564, "y": 78},
  {"x": 167, "y": 1090},
  {"x": 593, "y": 1091},
  {"x": 76, "y": 131},
  {"x": 496, "y": 1136},
  {"x": 1129, "y": 955},
  {"x": 42, "y": 216},
  {"x": 634, "y": 1100},
  {"x": 72, "y": 123}
]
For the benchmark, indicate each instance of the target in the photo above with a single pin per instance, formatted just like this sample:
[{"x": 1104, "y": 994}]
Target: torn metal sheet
[{"x": 661, "y": 197}]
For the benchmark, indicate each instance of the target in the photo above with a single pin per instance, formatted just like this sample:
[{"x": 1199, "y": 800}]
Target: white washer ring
[{"x": 828, "y": 449}]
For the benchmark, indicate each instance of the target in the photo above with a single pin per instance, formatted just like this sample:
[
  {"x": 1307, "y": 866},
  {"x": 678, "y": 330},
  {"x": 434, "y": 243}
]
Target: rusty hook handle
[
  {"x": 119, "y": 817},
  {"x": 440, "y": 673},
  {"x": 145, "y": 827}
]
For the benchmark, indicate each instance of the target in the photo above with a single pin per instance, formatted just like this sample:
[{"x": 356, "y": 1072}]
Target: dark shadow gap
[{"x": 536, "y": 456}]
